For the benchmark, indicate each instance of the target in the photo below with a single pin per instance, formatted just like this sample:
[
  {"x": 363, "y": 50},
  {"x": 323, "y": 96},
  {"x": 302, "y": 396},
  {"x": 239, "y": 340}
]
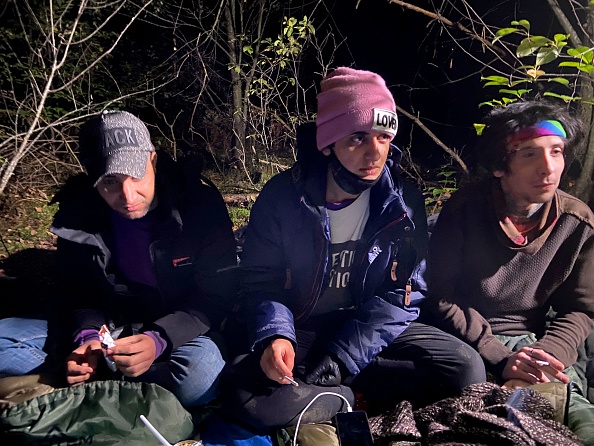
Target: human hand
[
  {"x": 81, "y": 364},
  {"x": 278, "y": 359},
  {"x": 533, "y": 366},
  {"x": 325, "y": 373},
  {"x": 133, "y": 355}
]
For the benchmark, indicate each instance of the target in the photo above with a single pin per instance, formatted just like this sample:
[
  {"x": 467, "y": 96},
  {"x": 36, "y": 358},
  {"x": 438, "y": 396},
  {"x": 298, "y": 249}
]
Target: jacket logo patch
[{"x": 182, "y": 261}]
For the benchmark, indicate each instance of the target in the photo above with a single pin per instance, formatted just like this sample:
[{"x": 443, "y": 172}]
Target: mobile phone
[{"x": 352, "y": 428}]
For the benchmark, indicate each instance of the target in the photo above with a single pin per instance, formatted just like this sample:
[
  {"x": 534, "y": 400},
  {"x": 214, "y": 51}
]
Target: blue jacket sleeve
[{"x": 263, "y": 274}]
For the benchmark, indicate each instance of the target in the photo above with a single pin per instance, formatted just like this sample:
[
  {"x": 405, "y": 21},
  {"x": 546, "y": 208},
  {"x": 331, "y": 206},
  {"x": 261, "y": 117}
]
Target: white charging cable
[{"x": 349, "y": 409}]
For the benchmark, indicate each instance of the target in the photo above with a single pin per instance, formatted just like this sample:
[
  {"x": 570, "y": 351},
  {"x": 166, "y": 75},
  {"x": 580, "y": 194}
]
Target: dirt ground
[{"x": 27, "y": 251}]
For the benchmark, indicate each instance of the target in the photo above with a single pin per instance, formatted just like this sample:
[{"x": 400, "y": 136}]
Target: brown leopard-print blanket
[{"x": 485, "y": 414}]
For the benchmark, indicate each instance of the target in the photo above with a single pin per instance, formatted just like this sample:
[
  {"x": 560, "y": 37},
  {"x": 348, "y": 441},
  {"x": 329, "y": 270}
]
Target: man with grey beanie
[
  {"x": 147, "y": 254},
  {"x": 331, "y": 287}
]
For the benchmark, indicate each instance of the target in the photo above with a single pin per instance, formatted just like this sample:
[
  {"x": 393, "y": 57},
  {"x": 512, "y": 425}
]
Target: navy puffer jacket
[{"x": 285, "y": 264}]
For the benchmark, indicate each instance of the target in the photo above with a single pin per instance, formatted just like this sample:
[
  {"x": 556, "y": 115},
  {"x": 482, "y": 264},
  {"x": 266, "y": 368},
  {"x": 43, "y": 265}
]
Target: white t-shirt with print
[{"x": 346, "y": 227}]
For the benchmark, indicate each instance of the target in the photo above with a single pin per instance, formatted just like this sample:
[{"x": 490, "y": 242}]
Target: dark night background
[
  {"x": 431, "y": 70},
  {"x": 427, "y": 73}
]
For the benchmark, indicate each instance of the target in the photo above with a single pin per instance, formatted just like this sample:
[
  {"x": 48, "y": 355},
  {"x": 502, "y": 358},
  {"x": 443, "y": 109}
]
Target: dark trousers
[{"x": 422, "y": 366}]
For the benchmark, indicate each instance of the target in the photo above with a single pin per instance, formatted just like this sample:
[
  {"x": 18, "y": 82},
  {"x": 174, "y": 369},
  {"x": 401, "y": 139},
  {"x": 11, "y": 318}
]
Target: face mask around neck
[{"x": 346, "y": 180}]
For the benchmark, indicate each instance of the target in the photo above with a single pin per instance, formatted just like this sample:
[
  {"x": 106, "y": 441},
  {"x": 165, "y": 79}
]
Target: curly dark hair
[{"x": 503, "y": 123}]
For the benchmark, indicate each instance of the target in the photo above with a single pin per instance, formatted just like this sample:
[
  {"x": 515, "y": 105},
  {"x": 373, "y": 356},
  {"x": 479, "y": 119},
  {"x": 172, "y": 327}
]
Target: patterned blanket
[{"x": 485, "y": 414}]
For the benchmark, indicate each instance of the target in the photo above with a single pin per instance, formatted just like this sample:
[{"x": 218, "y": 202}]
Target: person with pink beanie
[{"x": 331, "y": 283}]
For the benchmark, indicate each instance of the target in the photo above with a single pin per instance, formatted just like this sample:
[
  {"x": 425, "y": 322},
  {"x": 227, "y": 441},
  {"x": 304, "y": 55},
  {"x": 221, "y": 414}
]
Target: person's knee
[
  {"x": 196, "y": 392},
  {"x": 196, "y": 372},
  {"x": 280, "y": 406},
  {"x": 471, "y": 369},
  {"x": 21, "y": 345},
  {"x": 19, "y": 328}
]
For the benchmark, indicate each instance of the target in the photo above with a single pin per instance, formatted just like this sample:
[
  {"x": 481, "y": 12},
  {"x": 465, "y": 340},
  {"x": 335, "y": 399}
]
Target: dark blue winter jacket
[{"x": 285, "y": 265}]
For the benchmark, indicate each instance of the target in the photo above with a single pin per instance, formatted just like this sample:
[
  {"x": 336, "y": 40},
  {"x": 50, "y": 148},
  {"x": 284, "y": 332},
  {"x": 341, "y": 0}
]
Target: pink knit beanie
[{"x": 353, "y": 101}]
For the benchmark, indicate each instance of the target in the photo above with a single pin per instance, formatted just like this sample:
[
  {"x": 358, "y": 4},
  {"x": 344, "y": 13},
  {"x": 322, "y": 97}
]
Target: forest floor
[{"x": 27, "y": 251}]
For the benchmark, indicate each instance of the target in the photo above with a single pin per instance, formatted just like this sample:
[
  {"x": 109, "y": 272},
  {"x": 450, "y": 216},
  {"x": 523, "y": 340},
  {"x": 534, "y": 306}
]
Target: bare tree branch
[
  {"x": 434, "y": 137},
  {"x": 445, "y": 21},
  {"x": 51, "y": 55}
]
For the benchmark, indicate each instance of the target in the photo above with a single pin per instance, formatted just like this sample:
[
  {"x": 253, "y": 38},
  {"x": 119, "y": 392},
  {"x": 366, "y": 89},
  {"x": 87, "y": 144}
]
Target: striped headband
[{"x": 542, "y": 128}]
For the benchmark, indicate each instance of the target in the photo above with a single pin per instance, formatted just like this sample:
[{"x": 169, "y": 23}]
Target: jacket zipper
[{"x": 317, "y": 282}]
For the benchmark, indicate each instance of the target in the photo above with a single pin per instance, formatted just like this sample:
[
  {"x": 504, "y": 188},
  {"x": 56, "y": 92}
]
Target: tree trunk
[
  {"x": 583, "y": 184},
  {"x": 238, "y": 137}
]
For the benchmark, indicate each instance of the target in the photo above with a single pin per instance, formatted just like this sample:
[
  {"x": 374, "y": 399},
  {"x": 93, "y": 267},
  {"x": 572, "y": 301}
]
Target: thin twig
[{"x": 434, "y": 137}]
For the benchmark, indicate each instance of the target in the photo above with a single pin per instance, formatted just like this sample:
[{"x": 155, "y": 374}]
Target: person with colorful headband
[
  {"x": 331, "y": 286},
  {"x": 512, "y": 250}
]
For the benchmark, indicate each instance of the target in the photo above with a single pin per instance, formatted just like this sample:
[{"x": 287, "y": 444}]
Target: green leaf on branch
[
  {"x": 518, "y": 93},
  {"x": 446, "y": 173},
  {"x": 498, "y": 103},
  {"x": 520, "y": 81},
  {"x": 569, "y": 64},
  {"x": 541, "y": 40},
  {"x": 563, "y": 97},
  {"x": 546, "y": 55},
  {"x": 584, "y": 53},
  {"x": 586, "y": 68},
  {"x": 560, "y": 80},
  {"x": 531, "y": 44},
  {"x": 523, "y": 23},
  {"x": 525, "y": 48},
  {"x": 504, "y": 32},
  {"x": 495, "y": 80}
]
